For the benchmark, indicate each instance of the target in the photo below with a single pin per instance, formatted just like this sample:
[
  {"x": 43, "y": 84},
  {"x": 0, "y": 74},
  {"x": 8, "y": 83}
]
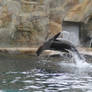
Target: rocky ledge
[{"x": 27, "y": 51}]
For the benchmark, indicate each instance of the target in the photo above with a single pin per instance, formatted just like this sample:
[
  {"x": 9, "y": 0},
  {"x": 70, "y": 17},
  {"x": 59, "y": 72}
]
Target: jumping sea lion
[{"x": 58, "y": 45}]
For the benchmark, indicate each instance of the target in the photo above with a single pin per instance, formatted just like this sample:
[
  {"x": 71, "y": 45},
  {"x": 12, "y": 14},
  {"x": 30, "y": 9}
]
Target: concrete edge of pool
[{"x": 32, "y": 51}]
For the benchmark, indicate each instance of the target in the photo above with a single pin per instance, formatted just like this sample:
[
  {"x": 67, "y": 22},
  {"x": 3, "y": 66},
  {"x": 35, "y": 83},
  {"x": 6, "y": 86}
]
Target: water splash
[
  {"x": 76, "y": 65},
  {"x": 79, "y": 62},
  {"x": 80, "y": 66}
]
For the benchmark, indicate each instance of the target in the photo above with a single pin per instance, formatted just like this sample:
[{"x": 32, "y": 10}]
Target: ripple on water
[{"x": 69, "y": 78}]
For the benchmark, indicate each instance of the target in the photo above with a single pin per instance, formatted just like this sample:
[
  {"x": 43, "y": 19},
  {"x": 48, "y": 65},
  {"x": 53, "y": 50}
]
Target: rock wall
[
  {"x": 31, "y": 22},
  {"x": 80, "y": 12}
]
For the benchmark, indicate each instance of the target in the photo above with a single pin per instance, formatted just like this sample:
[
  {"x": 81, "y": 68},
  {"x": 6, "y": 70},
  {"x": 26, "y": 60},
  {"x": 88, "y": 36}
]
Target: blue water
[
  {"x": 11, "y": 91},
  {"x": 32, "y": 74}
]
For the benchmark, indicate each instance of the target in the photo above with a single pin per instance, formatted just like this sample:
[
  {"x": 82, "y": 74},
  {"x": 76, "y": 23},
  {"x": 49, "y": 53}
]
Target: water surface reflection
[{"x": 34, "y": 75}]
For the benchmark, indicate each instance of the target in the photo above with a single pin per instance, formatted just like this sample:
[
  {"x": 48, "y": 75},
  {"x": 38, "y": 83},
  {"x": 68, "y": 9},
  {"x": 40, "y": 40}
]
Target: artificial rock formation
[
  {"x": 80, "y": 12},
  {"x": 33, "y": 21}
]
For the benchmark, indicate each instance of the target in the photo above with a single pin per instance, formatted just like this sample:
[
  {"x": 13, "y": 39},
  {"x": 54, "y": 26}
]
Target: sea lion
[{"x": 58, "y": 45}]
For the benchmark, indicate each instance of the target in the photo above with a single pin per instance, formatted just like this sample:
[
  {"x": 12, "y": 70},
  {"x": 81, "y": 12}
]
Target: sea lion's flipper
[{"x": 55, "y": 37}]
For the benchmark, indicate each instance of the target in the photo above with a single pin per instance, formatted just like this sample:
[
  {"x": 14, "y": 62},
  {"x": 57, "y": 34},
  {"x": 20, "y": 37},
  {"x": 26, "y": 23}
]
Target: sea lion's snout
[{"x": 39, "y": 51}]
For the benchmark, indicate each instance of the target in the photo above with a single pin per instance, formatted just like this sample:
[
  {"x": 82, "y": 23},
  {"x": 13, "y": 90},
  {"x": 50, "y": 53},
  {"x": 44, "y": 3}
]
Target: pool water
[{"x": 40, "y": 75}]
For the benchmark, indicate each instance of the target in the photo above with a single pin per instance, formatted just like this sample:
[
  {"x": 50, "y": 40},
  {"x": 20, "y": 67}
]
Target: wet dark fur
[{"x": 58, "y": 45}]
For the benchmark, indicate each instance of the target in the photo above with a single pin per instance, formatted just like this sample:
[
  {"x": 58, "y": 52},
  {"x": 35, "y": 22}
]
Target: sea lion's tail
[{"x": 77, "y": 52}]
